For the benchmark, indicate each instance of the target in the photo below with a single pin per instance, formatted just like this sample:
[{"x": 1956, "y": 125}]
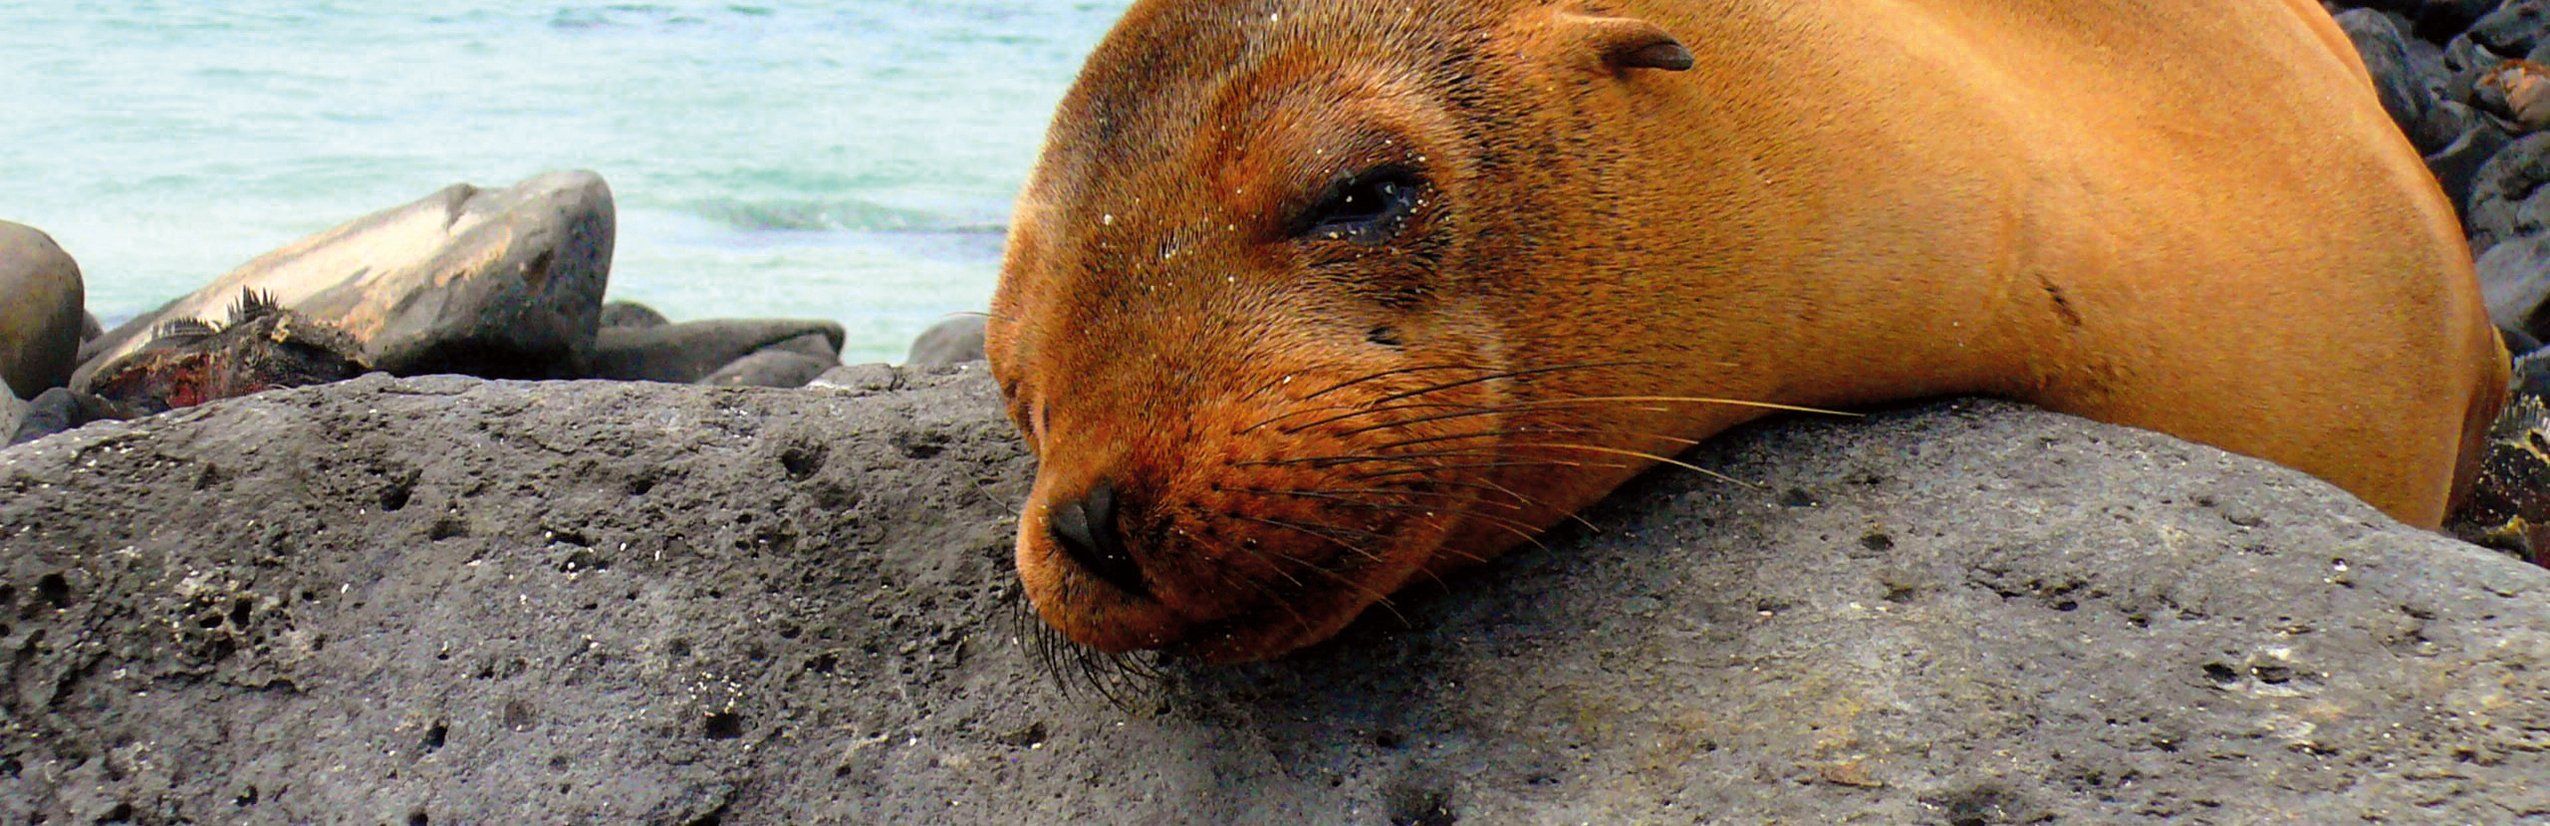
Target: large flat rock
[
  {"x": 448, "y": 601},
  {"x": 489, "y": 282}
]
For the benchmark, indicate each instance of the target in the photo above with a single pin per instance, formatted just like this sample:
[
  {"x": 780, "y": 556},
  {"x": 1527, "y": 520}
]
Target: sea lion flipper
[{"x": 1627, "y": 43}]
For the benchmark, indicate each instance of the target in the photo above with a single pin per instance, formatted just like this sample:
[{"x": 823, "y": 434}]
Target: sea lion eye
[{"x": 1367, "y": 208}]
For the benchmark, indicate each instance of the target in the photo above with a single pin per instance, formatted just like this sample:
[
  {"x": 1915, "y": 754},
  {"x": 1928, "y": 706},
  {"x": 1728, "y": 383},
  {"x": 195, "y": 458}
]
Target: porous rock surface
[{"x": 448, "y": 601}]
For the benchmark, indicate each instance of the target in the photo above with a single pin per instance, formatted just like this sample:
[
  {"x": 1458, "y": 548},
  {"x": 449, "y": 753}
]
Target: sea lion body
[{"x": 1261, "y": 402}]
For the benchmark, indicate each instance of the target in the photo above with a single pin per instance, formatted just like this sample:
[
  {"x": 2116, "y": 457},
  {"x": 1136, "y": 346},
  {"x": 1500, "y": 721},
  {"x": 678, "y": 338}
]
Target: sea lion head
[{"x": 1279, "y": 299}]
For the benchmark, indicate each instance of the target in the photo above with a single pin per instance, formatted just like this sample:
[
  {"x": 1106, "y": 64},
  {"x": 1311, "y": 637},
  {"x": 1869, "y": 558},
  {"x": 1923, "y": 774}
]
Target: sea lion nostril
[{"x": 1086, "y": 530}]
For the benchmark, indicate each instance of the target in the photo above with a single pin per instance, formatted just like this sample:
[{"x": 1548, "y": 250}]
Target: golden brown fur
[{"x": 2192, "y": 217}]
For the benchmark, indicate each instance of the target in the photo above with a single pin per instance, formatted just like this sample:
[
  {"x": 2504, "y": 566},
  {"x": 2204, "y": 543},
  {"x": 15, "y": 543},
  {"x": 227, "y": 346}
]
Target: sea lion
[{"x": 1308, "y": 298}]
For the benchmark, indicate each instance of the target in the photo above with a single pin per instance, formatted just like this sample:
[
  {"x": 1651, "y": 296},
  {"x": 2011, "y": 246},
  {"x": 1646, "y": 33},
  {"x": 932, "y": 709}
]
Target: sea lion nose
[{"x": 1086, "y": 530}]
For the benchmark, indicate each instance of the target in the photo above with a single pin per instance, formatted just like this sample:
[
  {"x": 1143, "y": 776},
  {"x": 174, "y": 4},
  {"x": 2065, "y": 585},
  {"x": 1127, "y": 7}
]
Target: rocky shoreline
[
  {"x": 445, "y": 600},
  {"x": 702, "y": 573}
]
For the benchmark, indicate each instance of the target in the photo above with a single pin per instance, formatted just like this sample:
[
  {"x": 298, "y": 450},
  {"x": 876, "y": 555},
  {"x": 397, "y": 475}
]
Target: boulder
[
  {"x": 691, "y": 351},
  {"x": 631, "y": 314},
  {"x": 2502, "y": 201},
  {"x": 61, "y": 410},
  {"x": 772, "y": 367},
  {"x": 443, "y": 600},
  {"x": 954, "y": 341},
  {"x": 89, "y": 328},
  {"x": 2458, "y": 166},
  {"x": 2513, "y": 28},
  {"x": 2514, "y": 279},
  {"x": 41, "y": 300},
  {"x": 2405, "y": 94},
  {"x": 488, "y": 282}
]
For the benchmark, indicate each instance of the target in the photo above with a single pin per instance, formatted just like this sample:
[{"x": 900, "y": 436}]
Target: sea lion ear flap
[{"x": 1628, "y": 43}]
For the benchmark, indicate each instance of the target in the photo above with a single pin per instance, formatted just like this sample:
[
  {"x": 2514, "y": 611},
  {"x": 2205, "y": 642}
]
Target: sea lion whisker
[
  {"x": 1509, "y": 374},
  {"x": 1378, "y": 597},
  {"x": 1540, "y": 403},
  {"x": 1403, "y": 371},
  {"x": 1262, "y": 590},
  {"x": 1385, "y": 474},
  {"x": 1650, "y": 457},
  {"x": 1376, "y": 492},
  {"x": 1353, "y": 411},
  {"x": 1429, "y": 510},
  {"x": 1381, "y": 405}
]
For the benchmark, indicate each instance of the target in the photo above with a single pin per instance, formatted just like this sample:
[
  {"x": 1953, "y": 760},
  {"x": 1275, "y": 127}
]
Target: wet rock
[
  {"x": 954, "y": 341},
  {"x": 41, "y": 300},
  {"x": 488, "y": 282},
  {"x": 692, "y": 351},
  {"x": 2405, "y": 95},
  {"x": 631, "y": 314},
  {"x": 479, "y": 602}
]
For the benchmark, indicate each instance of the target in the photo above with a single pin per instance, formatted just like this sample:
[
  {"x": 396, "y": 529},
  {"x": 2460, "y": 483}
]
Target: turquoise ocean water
[{"x": 844, "y": 159}]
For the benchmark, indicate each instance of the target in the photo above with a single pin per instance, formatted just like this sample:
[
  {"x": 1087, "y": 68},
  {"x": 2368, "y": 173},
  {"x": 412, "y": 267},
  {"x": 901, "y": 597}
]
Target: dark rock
[
  {"x": 504, "y": 282},
  {"x": 2514, "y": 28},
  {"x": 631, "y": 314},
  {"x": 89, "y": 328},
  {"x": 954, "y": 341},
  {"x": 2458, "y": 167},
  {"x": 2465, "y": 58},
  {"x": 386, "y": 600},
  {"x": 689, "y": 352},
  {"x": 772, "y": 367},
  {"x": 2405, "y": 95},
  {"x": 2514, "y": 278},
  {"x": 2518, "y": 342},
  {"x": 2445, "y": 122},
  {"x": 61, "y": 410},
  {"x": 2442, "y": 20},
  {"x": 41, "y": 300},
  {"x": 2505, "y": 194}
]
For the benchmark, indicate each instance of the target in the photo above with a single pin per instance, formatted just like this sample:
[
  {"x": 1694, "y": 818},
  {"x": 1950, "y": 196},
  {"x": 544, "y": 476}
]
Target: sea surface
[{"x": 844, "y": 159}]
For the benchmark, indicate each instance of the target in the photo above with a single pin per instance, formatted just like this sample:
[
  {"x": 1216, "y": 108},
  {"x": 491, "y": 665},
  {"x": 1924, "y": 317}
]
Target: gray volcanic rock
[
  {"x": 41, "y": 305},
  {"x": 782, "y": 365},
  {"x": 631, "y": 314},
  {"x": 448, "y": 601},
  {"x": 487, "y": 282},
  {"x": 2514, "y": 279},
  {"x": 2506, "y": 199},
  {"x": 2405, "y": 95},
  {"x": 693, "y": 351}
]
